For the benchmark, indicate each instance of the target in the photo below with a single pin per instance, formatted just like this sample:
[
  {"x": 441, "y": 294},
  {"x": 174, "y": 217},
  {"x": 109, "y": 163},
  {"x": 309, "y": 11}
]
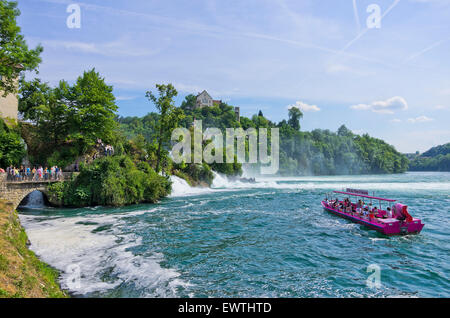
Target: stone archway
[
  {"x": 15, "y": 192},
  {"x": 34, "y": 199}
]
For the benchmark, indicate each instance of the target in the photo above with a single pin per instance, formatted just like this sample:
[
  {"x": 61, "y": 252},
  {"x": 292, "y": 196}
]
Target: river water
[{"x": 268, "y": 239}]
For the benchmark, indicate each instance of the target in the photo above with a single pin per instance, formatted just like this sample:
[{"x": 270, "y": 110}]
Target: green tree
[
  {"x": 67, "y": 120},
  {"x": 11, "y": 146},
  {"x": 294, "y": 117},
  {"x": 189, "y": 102},
  {"x": 15, "y": 56},
  {"x": 45, "y": 107},
  {"x": 170, "y": 115},
  {"x": 92, "y": 104},
  {"x": 344, "y": 131}
]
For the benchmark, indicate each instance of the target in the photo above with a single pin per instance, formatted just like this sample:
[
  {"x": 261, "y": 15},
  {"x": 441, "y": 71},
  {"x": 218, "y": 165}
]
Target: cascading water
[
  {"x": 219, "y": 181},
  {"x": 268, "y": 238},
  {"x": 34, "y": 200},
  {"x": 180, "y": 187}
]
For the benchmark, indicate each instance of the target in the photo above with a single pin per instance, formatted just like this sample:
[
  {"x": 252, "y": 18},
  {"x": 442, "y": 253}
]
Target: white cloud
[
  {"x": 338, "y": 69},
  {"x": 395, "y": 120},
  {"x": 118, "y": 48},
  {"x": 441, "y": 107},
  {"x": 387, "y": 106},
  {"x": 120, "y": 98},
  {"x": 420, "y": 119},
  {"x": 305, "y": 107},
  {"x": 445, "y": 91}
]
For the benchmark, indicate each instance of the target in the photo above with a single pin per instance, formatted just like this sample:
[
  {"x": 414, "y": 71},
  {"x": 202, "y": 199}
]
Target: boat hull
[{"x": 384, "y": 226}]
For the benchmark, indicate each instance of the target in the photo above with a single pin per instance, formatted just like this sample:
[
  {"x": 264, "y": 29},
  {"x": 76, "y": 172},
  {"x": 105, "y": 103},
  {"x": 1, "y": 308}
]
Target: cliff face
[{"x": 22, "y": 274}]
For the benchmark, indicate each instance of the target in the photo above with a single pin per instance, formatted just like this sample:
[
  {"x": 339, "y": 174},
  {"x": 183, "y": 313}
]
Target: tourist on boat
[
  {"x": 376, "y": 212},
  {"x": 335, "y": 203},
  {"x": 389, "y": 212},
  {"x": 373, "y": 213},
  {"x": 347, "y": 205},
  {"x": 349, "y": 208},
  {"x": 366, "y": 212},
  {"x": 359, "y": 206}
]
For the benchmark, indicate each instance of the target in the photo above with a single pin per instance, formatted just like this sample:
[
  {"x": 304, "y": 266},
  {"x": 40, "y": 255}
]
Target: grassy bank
[{"x": 22, "y": 274}]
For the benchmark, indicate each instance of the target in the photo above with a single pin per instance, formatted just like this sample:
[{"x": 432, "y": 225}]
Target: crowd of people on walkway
[{"x": 25, "y": 173}]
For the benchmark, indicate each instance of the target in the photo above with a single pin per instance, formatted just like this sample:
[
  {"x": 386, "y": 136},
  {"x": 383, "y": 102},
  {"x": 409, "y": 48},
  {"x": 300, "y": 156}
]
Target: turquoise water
[{"x": 269, "y": 239}]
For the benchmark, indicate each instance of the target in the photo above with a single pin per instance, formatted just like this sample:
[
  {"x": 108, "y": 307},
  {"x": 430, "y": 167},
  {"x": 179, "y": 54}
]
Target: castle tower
[{"x": 9, "y": 105}]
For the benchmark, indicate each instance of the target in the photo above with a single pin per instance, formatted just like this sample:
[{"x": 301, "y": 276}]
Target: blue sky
[{"x": 392, "y": 82}]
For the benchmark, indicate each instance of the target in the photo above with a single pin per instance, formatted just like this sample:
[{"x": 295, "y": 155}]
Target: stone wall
[
  {"x": 15, "y": 192},
  {"x": 8, "y": 106}
]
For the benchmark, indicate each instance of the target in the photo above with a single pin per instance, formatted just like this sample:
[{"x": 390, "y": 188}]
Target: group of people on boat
[
  {"x": 392, "y": 220},
  {"x": 360, "y": 209}
]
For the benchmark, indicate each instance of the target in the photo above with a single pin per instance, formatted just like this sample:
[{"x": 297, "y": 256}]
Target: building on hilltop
[
  {"x": 9, "y": 105},
  {"x": 205, "y": 100}
]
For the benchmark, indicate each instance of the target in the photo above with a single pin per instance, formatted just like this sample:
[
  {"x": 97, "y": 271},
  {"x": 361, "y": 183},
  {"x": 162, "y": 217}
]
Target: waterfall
[
  {"x": 181, "y": 188},
  {"x": 34, "y": 200},
  {"x": 220, "y": 181}
]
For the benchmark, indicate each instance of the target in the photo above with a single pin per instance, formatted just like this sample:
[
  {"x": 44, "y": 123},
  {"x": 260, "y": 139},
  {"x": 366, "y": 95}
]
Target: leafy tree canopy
[
  {"x": 15, "y": 56},
  {"x": 68, "y": 116}
]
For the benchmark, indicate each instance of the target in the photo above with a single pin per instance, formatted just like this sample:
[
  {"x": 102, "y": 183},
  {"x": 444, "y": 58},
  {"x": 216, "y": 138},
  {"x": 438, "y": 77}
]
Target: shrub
[{"x": 113, "y": 181}]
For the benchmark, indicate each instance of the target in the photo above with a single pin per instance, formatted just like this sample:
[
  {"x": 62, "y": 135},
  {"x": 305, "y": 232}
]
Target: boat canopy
[{"x": 365, "y": 196}]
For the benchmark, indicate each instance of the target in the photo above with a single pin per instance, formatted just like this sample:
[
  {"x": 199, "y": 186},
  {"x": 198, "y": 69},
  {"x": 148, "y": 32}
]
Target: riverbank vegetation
[
  {"x": 435, "y": 159},
  {"x": 319, "y": 152},
  {"x": 65, "y": 122},
  {"x": 15, "y": 56},
  {"x": 22, "y": 274},
  {"x": 112, "y": 181}
]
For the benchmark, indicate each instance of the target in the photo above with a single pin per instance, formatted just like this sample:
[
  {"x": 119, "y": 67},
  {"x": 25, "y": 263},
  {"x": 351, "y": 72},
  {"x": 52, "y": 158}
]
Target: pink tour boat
[{"x": 394, "y": 220}]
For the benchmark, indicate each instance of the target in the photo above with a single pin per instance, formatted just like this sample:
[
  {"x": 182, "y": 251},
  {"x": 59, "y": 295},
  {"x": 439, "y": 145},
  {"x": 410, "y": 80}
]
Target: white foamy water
[
  {"x": 180, "y": 187},
  {"x": 70, "y": 243},
  {"x": 34, "y": 200},
  {"x": 221, "y": 183}
]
